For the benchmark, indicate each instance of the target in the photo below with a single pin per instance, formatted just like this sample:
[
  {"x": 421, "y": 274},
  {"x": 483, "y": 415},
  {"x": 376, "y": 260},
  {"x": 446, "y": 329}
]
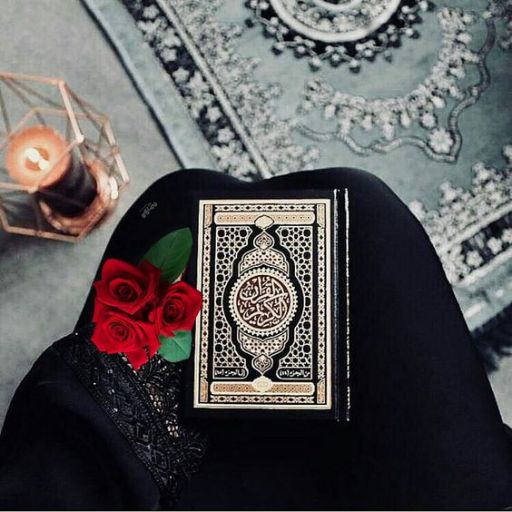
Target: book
[{"x": 272, "y": 337}]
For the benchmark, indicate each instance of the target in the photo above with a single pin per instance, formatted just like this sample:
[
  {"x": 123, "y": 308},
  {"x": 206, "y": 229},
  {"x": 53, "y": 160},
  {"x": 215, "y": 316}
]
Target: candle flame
[
  {"x": 44, "y": 165},
  {"x": 35, "y": 157}
]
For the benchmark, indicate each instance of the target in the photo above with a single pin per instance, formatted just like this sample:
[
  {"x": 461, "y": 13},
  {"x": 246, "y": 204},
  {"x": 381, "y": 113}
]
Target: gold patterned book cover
[{"x": 272, "y": 335}]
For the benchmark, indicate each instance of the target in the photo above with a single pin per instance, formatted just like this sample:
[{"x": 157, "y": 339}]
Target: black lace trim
[{"x": 145, "y": 406}]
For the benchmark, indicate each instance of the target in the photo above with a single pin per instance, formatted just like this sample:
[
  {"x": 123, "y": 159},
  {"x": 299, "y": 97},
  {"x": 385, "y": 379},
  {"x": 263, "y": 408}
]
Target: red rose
[
  {"x": 178, "y": 309},
  {"x": 116, "y": 332},
  {"x": 127, "y": 287}
]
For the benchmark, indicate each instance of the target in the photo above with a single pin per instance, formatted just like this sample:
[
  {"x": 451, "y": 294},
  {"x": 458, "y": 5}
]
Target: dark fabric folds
[
  {"x": 425, "y": 430},
  {"x": 59, "y": 450}
]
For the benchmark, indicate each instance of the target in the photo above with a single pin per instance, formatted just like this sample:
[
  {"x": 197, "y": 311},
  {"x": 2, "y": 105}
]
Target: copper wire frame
[{"x": 32, "y": 91}]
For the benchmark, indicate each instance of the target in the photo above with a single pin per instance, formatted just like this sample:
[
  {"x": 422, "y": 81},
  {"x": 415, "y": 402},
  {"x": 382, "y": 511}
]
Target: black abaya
[{"x": 425, "y": 429}]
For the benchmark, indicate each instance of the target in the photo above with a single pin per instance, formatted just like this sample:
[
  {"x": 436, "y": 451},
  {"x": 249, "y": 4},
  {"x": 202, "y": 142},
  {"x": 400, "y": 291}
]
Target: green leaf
[
  {"x": 177, "y": 348},
  {"x": 171, "y": 254}
]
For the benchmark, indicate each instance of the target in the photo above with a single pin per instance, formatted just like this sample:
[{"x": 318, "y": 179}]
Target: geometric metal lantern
[{"x": 60, "y": 167}]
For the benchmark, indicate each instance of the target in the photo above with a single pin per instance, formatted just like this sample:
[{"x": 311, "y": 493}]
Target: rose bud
[
  {"x": 127, "y": 287},
  {"x": 178, "y": 309},
  {"x": 115, "y": 332}
]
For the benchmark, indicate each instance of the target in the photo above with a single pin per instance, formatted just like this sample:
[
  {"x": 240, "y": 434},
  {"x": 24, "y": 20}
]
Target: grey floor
[{"x": 43, "y": 284}]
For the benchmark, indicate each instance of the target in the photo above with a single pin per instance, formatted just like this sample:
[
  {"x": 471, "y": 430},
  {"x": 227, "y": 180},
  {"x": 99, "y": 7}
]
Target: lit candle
[{"x": 38, "y": 157}]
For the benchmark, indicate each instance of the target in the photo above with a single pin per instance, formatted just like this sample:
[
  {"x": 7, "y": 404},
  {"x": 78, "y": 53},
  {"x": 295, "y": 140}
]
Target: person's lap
[{"x": 425, "y": 429}]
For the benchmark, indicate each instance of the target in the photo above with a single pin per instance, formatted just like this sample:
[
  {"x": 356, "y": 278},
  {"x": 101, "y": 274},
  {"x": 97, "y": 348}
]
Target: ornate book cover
[{"x": 272, "y": 336}]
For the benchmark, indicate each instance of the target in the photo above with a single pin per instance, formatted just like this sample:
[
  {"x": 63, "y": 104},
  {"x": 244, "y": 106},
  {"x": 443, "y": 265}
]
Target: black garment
[{"x": 425, "y": 431}]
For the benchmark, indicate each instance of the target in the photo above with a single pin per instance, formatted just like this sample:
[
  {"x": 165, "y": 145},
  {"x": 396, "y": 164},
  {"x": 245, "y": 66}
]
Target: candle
[
  {"x": 103, "y": 200},
  {"x": 38, "y": 157}
]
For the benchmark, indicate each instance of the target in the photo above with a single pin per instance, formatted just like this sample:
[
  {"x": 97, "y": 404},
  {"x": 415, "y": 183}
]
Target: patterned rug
[{"x": 415, "y": 91}]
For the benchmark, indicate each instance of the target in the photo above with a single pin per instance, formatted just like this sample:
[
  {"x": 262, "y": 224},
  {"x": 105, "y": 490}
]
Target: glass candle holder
[{"x": 60, "y": 167}]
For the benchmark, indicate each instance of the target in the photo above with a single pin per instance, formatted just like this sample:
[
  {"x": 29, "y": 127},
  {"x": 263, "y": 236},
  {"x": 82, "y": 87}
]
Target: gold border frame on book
[{"x": 314, "y": 396}]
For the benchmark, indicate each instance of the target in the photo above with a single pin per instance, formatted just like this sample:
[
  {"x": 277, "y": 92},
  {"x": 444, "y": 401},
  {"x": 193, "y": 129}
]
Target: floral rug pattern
[{"x": 413, "y": 90}]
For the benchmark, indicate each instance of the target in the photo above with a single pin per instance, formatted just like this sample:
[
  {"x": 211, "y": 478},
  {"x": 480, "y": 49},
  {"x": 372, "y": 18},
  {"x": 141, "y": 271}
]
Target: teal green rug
[{"x": 414, "y": 91}]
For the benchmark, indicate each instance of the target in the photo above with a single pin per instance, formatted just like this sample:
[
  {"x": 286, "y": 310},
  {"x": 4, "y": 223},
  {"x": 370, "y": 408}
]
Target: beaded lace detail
[{"x": 145, "y": 406}]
